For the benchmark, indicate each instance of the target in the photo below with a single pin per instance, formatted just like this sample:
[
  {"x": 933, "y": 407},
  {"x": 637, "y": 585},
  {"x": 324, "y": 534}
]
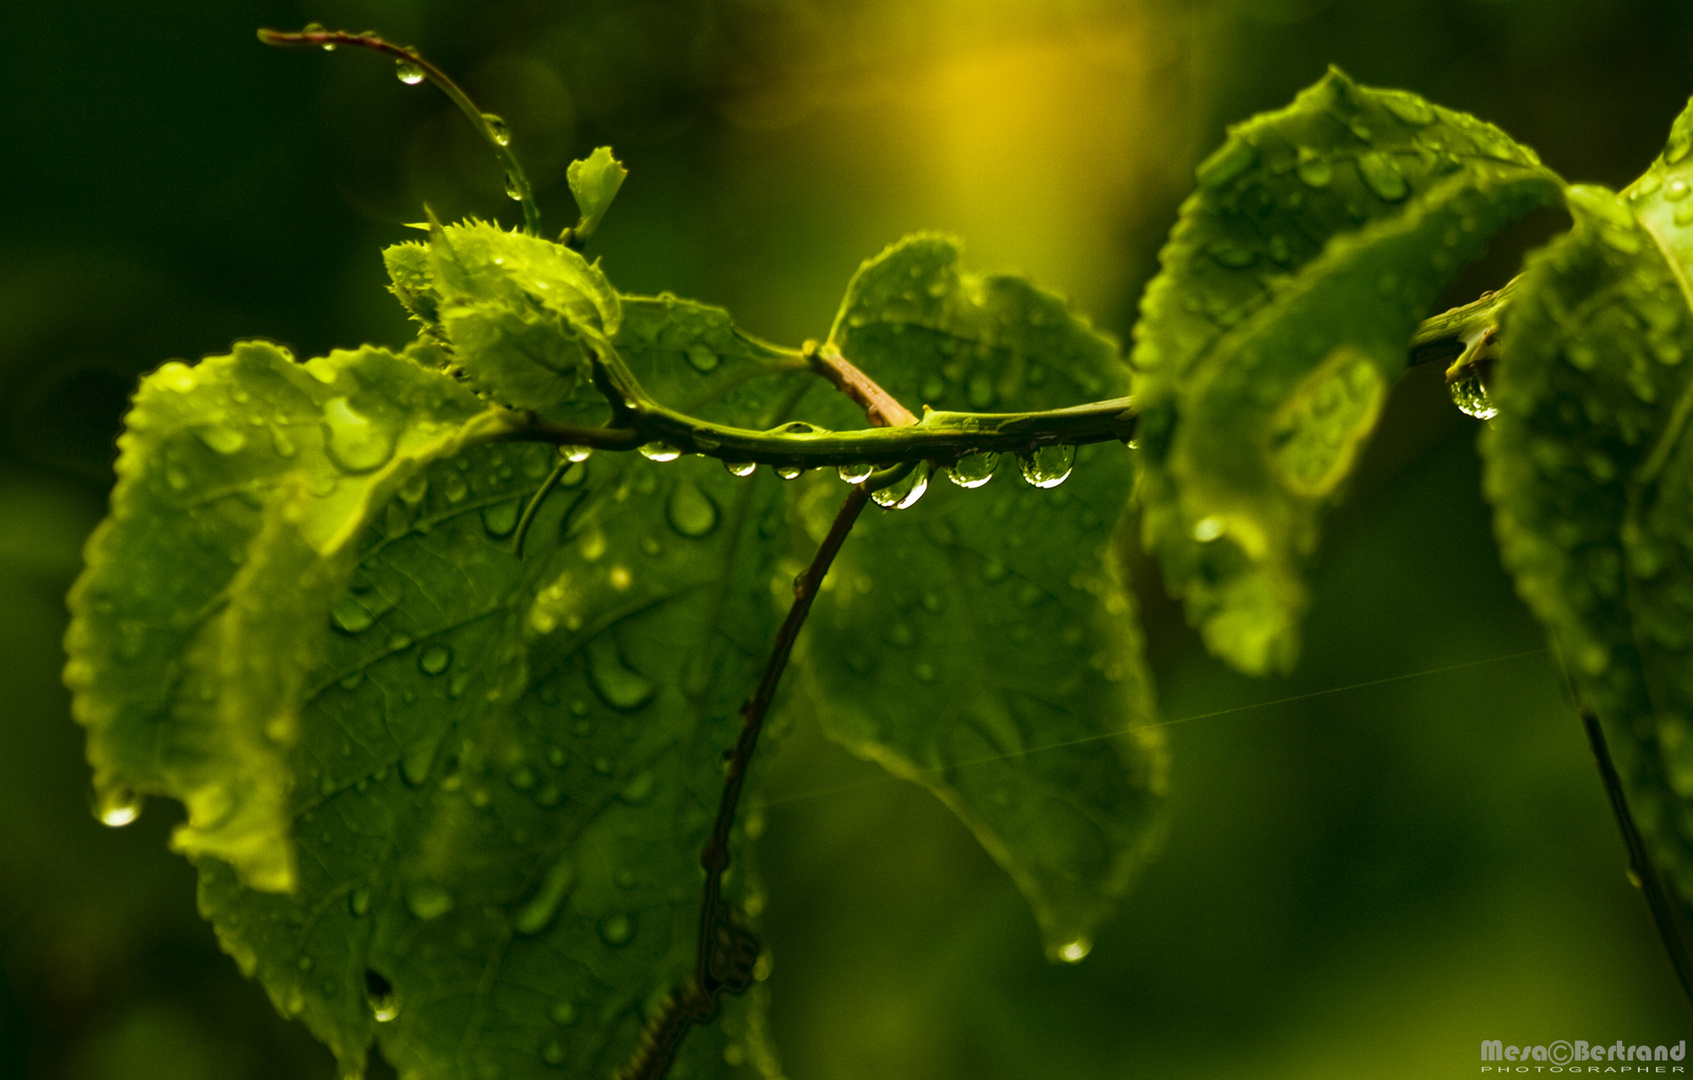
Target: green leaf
[
  {"x": 981, "y": 643},
  {"x": 1318, "y": 239},
  {"x": 594, "y": 181},
  {"x": 517, "y": 312},
  {"x": 1590, "y": 472},
  {"x": 242, "y": 484}
]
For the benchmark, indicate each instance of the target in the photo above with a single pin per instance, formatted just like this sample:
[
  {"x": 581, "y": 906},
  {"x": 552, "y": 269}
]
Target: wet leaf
[
  {"x": 1318, "y": 238},
  {"x": 980, "y": 643}
]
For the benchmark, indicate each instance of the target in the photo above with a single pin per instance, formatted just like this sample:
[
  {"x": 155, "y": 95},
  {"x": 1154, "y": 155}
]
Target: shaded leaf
[
  {"x": 1318, "y": 238},
  {"x": 980, "y": 643},
  {"x": 1590, "y": 472}
]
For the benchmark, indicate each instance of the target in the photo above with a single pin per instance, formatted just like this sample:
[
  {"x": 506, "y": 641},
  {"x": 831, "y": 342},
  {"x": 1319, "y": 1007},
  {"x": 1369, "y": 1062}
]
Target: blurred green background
[{"x": 1365, "y": 881}]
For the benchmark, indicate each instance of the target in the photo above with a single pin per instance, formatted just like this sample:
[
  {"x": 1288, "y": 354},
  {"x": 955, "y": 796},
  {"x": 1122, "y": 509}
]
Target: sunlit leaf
[{"x": 1317, "y": 240}]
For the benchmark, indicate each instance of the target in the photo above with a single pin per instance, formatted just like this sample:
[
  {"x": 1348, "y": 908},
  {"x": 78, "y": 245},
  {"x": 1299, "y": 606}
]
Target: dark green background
[{"x": 1367, "y": 881}]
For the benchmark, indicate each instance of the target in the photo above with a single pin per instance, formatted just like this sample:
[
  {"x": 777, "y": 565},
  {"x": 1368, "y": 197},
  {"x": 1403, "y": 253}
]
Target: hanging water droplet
[
  {"x": 903, "y": 494},
  {"x": 116, "y": 806},
  {"x": 1314, "y": 171},
  {"x": 790, "y": 472},
  {"x": 1677, "y": 190},
  {"x": 497, "y": 128},
  {"x": 1073, "y": 951},
  {"x": 741, "y": 468},
  {"x": 1471, "y": 397},
  {"x": 617, "y": 930},
  {"x": 224, "y": 440},
  {"x": 379, "y": 993},
  {"x": 434, "y": 659},
  {"x": 658, "y": 451},
  {"x": 428, "y": 901},
  {"x": 408, "y": 72},
  {"x": 973, "y": 470},
  {"x": 538, "y": 913},
  {"x": 514, "y": 191},
  {"x": 575, "y": 454},
  {"x": 855, "y": 474},
  {"x": 1047, "y": 466},
  {"x": 1207, "y": 529}
]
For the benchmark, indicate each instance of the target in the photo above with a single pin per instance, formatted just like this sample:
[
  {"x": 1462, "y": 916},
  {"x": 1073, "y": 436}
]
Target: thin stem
[
  {"x": 879, "y": 405},
  {"x": 1640, "y": 867},
  {"x": 516, "y": 179},
  {"x": 1450, "y": 334}
]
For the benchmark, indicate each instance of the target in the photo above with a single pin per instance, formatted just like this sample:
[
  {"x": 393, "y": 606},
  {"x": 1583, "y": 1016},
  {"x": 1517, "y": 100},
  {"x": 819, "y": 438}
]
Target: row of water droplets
[
  {"x": 1043, "y": 467},
  {"x": 411, "y": 73}
]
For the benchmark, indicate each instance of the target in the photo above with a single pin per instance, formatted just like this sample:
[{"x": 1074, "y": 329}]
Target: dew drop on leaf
[
  {"x": 353, "y": 441},
  {"x": 657, "y": 451},
  {"x": 538, "y": 913},
  {"x": 690, "y": 511},
  {"x": 1677, "y": 190},
  {"x": 617, "y": 685},
  {"x": 563, "y": 1013},
  {"x": 1047, "y": 466},
  {"x": 501, "y": 518},
  {"x": 224, "y": 440},
  {"x": 1314, "y": 170},
  {"x": 434, "y": 659},
  {"x": 1074, "y": 951},
  {"x": 855, "y": 474},
  {"x": 502, "y": 134},
  {"x": 1383, "y": 176},
  {"x": 617, "y": 930},
  {"x": 408, "y": 72},
  {"x": 358, "y": 902},
  {"x": 552, "y": 1053},
  {"x": 456, "y": 489},
  {"x": 701, "y": 359},
  {"x": 379, "y": 992},
  {"x": 1407, "y": 107},
  {"x": 414, "y": 767},
  {"x": 1207, "y": 529},
  {"x": 973, "y": 470},
  {"x": 514, "y": 191},
  {"x": 428, "y": 901},
  {"x": 350, "y": 615}
]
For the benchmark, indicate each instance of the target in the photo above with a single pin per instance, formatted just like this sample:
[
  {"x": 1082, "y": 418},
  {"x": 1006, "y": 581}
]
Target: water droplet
[
  {"x": 1232, "y": 255},
  {"x": 456, "y": 488},
  {"x": 552, "y": 1053},
  {"x": 563, "y": 1013},
  {"x": 305, "y": 963},
  {"x": 414, "y": 489},
  {"x": 617, "y": 930},
  {"x": 384, "y": 1003},
  {"x": 1047, "y": 466},
  {"x": 1677, "y": 190},
  {"x": 414, "y": 767},
  {"x": 1207, "y": 529},
  {"x": 639, "y": 790},
  {"x": 1073, "y": 951},
  {"x": 619, "y": 686},
  {"x": 280, "y": 442},
  {"x": 657, "y": 451},
  {"x": 1624, "y": 240},
  {"x": 1679, "y": 144},
  {"x": 855, "y": 474},
  {"x": 355, "y": 442},
  {"x": 574, "y": 454},
  {"x": 1280, "y": 251},
  {"x": 501, "y": 518},
  {"x": 1314, "y": 170},
  {"x": 434, "y": 659},
  {"x": 973, "y": 470},
  {"x": 350, "y": 615},
  {"x": 701, "y": 359},
  {"x": 116, "y": 806},
  {"x": 1407, "y": 107},
  {"x": 690, "y": 511},
  {"x": 428, "y": 901},
  {"x": 1383, "y": 176},
  {"x": 224, "y": 440},
  {"x": 314, "y": 28},
  {"x": 497, "y": 128},
  {"x": 359, "y": 901},
  {"x": 1228, "y": 161},
  {"x": 408, "y": 72},
  {"x": 536, "y": 915},
  {"x": 790, "y": 472},
  {"x": 1471, "y": 397},
  {"x": 741, "y": 468},
  {"x": 904, "y": 494},
  {"x": 514, "y": 191}
]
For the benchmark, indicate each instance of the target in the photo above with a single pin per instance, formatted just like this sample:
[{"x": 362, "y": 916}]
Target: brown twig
[
  {"x": 1640, "y": 867},
  {"x": 883, "y": 409}
]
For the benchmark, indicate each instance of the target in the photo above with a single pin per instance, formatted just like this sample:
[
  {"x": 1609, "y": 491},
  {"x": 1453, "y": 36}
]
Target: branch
[
  {"x": 1641, "y": 871},
  {"x": 517, "y": 181}
]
